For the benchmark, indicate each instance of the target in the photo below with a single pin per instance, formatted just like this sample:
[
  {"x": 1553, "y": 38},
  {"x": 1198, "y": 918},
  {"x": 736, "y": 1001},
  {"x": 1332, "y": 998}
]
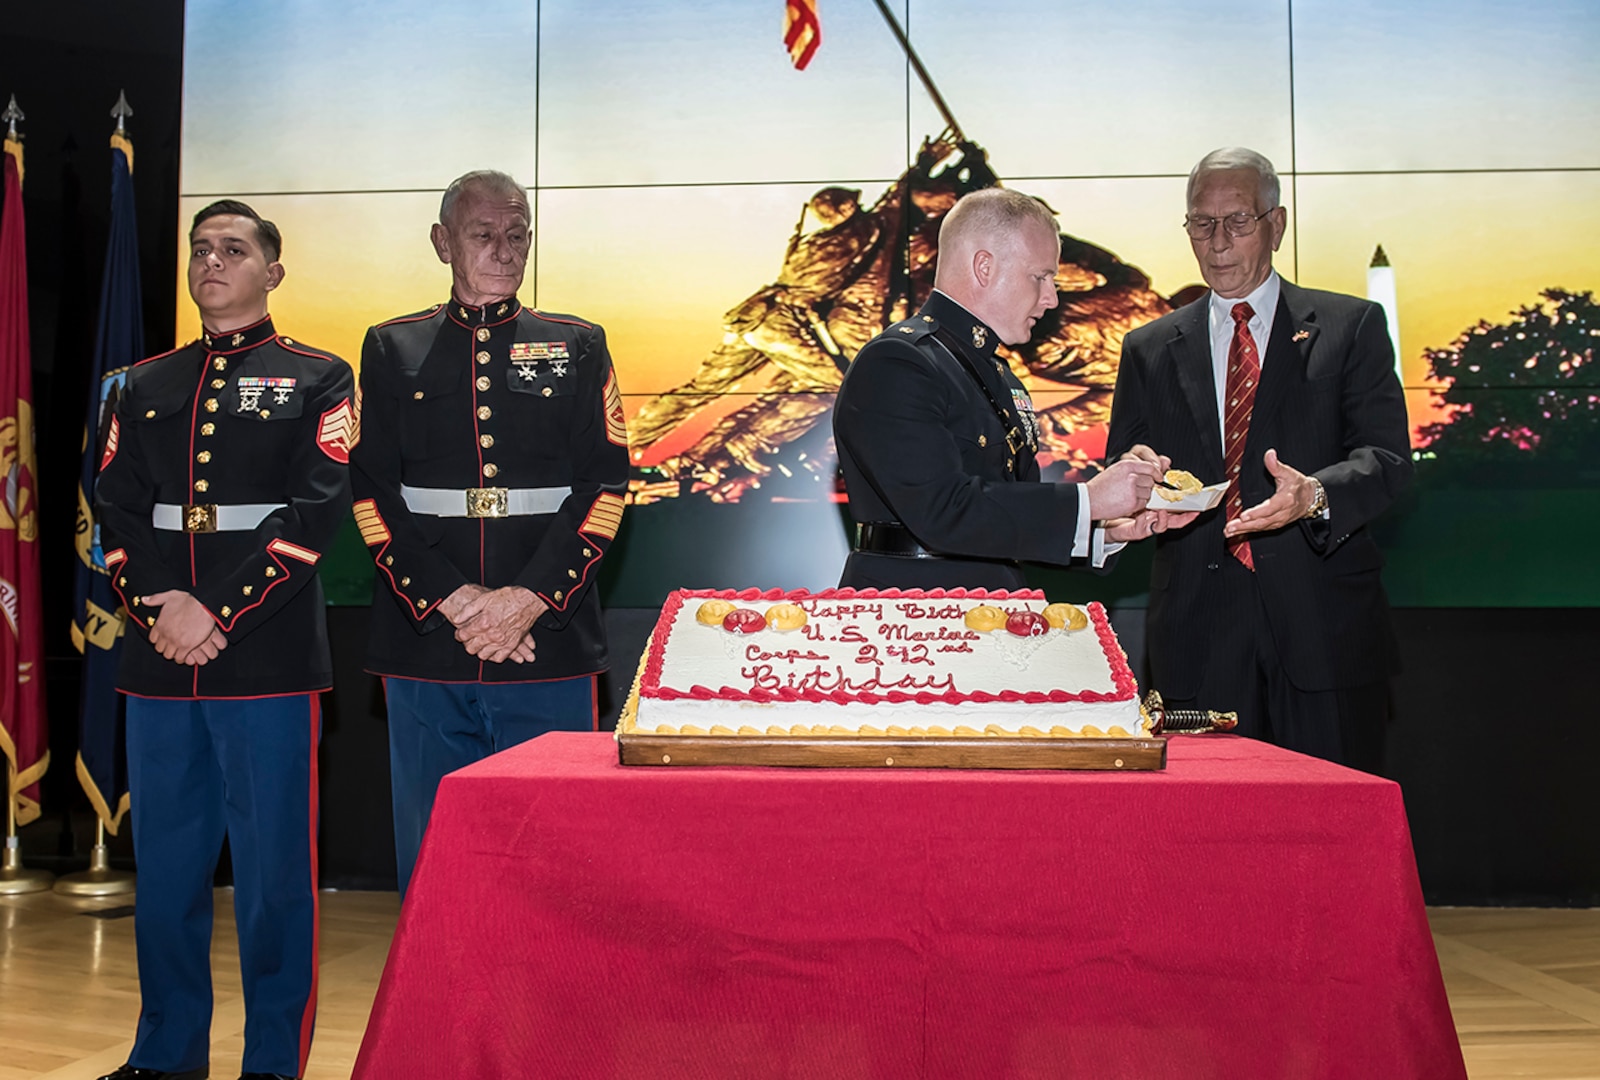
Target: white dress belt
[
  {"x": 455, "y": 502},
  {"x": 237, "y": 517}
]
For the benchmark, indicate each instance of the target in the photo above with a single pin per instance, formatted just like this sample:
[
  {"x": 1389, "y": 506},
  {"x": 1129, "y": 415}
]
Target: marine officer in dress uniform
[
  {"x": 488, "y": 487},
  {"x": 937, "y": 437},
  {"x": 223, "y": 480}
]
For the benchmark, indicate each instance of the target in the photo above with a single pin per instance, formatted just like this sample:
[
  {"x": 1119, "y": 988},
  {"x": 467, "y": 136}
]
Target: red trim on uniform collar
[
  {"x": 232, "y": 341},
  {"x": 501, "y": 311}
]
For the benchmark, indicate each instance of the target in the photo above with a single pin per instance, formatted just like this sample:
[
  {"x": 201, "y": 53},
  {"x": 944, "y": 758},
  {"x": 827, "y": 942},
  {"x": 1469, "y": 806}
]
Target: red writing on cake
[
  {"x": 901, "y": 632},
  {"x": 819, "y": 610},
  {"x": 764, "y": 677},
  {"x": 756, "y": 652},
  {"x": 912, "y": 654},
  {"x": 923, "y": 611}
]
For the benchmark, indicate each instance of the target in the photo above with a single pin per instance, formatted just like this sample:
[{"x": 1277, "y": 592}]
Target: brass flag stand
[{"x": 14, "y": 877}]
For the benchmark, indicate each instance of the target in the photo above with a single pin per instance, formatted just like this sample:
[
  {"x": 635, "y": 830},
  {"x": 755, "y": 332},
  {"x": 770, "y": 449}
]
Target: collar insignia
[{"x": 979, "y": 336}]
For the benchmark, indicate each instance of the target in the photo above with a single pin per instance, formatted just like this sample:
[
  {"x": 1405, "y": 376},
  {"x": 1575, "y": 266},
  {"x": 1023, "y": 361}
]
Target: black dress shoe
[{"x": 129, "y": 1072}]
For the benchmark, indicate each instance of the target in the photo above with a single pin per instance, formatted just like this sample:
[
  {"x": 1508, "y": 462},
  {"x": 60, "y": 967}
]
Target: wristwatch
[{"x": 1319, "y": 501}]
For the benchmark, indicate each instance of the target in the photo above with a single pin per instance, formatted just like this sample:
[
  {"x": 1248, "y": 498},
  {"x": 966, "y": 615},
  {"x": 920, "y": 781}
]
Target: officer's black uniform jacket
[
  {"x": 236, "y": 418},
  {"x": 922, "y": 443},
  {"x": 459, "y": 397}
]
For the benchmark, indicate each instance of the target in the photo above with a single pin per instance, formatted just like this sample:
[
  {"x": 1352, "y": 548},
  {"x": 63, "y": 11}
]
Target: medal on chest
[
  {"x": 251, "y": 389},
  {"x": 527, "y": 356}
]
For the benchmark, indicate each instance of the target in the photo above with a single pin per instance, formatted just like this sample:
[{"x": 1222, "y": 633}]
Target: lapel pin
[{"x": 1301, "y": 335}]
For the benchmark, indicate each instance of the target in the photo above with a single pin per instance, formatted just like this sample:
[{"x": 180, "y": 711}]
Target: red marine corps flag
[
  {"x": 22, "y": 720},
  {"x": 802, "y": 31}
]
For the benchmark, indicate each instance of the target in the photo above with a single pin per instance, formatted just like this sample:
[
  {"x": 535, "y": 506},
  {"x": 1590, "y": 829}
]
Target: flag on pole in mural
[
  {"x": 97, "y": 615},
  {"x": 802, "y": 31},
  {"x": 23, "y": 734}
]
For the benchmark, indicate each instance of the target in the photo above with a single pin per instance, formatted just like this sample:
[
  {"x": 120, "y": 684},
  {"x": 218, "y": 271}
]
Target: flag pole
[
  {"x": 922, "y": 72},
  {"x": 100, "y": 879}
]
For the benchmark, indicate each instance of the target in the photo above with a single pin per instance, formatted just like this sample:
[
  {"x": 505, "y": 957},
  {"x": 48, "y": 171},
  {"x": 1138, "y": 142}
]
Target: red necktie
[{"x": 1244, "y": 371}]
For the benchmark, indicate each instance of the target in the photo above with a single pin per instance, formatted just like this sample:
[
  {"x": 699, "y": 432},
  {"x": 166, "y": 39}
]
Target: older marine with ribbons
[{"x": 488, "y": 487}]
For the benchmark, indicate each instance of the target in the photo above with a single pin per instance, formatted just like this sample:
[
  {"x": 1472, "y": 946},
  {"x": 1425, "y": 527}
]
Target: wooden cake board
[{"x": 920, "y": 752}]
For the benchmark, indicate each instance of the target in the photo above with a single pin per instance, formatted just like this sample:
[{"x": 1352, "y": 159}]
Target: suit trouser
[
  {"x": 198, "y": 770},
  {"x": 1244, "y": 674},
  {"x": 436, "y": 728}
]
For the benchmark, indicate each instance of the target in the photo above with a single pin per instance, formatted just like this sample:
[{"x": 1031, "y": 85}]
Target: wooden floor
[{"x": 1524, "y": 985}]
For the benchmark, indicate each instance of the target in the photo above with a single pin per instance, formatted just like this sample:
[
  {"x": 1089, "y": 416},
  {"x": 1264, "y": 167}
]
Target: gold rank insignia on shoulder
[{"x": 979, "y": 336}]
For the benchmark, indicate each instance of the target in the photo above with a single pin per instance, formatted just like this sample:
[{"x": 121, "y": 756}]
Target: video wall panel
[{"x": 740, "y": 226}]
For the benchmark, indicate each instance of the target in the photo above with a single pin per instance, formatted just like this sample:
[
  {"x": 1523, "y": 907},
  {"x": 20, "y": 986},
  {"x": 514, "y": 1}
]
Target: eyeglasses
[{"x": 1240, "y": 224}]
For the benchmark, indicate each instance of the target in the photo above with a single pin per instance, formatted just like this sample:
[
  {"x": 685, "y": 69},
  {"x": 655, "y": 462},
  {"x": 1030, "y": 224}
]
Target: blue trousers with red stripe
[
  {"x": 198, "y": 770},
  {"x": 437, "y": 728}
]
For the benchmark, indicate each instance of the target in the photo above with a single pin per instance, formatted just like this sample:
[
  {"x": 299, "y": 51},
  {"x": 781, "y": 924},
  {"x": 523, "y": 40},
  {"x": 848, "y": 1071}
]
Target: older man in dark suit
[{"x": 1270, "y": 605}]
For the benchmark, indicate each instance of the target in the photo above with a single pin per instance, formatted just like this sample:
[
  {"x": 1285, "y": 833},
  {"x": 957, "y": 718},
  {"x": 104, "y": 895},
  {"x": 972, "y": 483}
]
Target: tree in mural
[{"x": 1525, "y": 391}]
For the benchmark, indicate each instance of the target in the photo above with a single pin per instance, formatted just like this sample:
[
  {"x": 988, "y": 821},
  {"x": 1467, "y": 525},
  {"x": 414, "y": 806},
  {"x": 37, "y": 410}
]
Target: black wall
[{"x": 1495, "y": 737}]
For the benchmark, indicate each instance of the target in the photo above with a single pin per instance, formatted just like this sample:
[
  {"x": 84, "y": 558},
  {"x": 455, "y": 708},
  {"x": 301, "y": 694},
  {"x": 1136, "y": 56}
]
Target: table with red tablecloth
[{"x": 1246, "y": 913}]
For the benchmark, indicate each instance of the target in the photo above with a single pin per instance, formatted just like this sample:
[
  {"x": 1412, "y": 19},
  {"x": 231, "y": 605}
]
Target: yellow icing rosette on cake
[
  {"x": 985, "y": 617},
  {"x": 1065, "y": 617},
  {"x": 786, "y": 616},
  {"x": 712, "y": 612}
]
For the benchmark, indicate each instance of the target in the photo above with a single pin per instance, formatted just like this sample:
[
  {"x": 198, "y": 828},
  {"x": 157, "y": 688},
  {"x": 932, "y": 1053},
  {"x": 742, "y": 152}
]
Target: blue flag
[{"x": 97, "y": 620}]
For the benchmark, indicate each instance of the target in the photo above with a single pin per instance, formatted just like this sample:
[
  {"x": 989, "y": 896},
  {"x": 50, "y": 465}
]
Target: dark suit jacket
[
  {"x": 921, "y": 443},
  {"x": 1331, "y": 405}
]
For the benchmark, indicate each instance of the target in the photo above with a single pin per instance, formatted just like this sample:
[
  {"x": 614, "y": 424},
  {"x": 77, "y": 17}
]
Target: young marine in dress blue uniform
[
  {"x": 223, "y": 480},
  {"x": 488, "y": 487}
]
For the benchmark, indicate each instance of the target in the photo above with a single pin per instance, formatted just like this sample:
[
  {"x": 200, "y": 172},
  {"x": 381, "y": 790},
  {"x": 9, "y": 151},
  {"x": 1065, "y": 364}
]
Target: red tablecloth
[{"x": 1247, "y": 914}]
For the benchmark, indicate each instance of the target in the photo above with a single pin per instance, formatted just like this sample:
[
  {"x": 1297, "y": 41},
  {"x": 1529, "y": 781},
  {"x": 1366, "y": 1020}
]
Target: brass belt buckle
[
  {"x": 487, "y": 503},
  {"x": 199, "y": 517}
]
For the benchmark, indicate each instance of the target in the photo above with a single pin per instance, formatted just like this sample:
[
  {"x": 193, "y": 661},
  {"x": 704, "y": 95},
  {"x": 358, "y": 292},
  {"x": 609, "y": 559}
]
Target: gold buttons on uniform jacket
[
  {"x": 483, "y": 358},
  {"x": 484, "y": 412},
  {"x": 486, "y": 441},
  {"x": 417, "y": 396},
  {"x": 270, "y": 572},
  {"x": 483, "y": 382},
  {"x": 208, "y": 428},
  {"x": 265, "y": 413},
  {"x": 547, "y": 391},
  {"x": 573, "y": 574},
  {"x": 490, "y": 470},
  {"x": 248, "y": 589},
  {"x": 201, "y": 485},
  {"x": 388, "y": 560},
  {"x": 421, "y": 604},
  {"x": 149, "y": 414},
  {"x": 211, "y": 404},
  {"x": 226, "y": 611},
  {"x": 218, "y": 384},
  {"x": 557, "y": 595},
  {"x": 483, "y": 333},
  {"x": 404, "y": 582},
  {"x": 983, "y": 440},
  {"x": 587, "y": 553},
  {"x": 203, "y": 457}
]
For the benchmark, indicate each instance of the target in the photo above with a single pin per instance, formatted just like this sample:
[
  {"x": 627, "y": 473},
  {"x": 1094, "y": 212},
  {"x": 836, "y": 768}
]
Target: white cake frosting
[{"x": 872, "y": 663}]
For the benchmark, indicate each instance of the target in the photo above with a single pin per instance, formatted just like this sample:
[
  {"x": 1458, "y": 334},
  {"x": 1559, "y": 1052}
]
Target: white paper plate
[{"x": 1204, "y": 499}]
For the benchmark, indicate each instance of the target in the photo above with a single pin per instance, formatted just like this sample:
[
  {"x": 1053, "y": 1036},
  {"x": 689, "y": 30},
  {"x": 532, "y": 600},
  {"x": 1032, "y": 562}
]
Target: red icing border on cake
[{"x": 650, "y": 684}]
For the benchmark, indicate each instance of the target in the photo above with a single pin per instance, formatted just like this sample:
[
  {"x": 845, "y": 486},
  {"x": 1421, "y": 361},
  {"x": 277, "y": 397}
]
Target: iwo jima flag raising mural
[{"x": 849, "y": 271}]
